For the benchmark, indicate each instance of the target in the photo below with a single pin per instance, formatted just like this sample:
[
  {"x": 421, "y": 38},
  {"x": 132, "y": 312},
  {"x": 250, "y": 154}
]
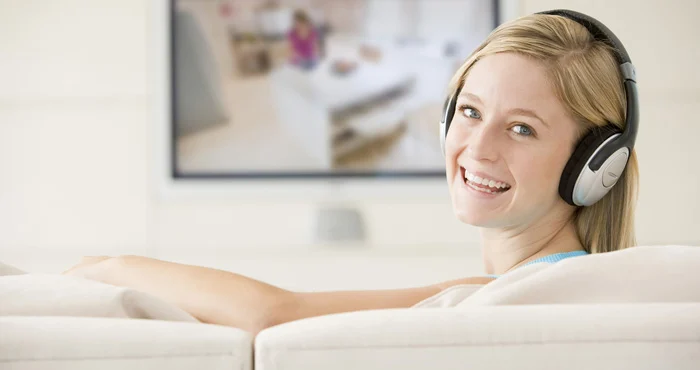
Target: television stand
[{"x": 339, "y": 225}]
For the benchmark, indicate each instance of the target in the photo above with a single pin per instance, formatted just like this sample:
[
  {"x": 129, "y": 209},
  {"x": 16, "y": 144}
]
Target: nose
[{"x": 483, "y": 143}]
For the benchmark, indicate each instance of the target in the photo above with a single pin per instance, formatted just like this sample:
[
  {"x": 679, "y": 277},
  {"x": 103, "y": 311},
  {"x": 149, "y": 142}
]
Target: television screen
[{"x": 316, "y": 88}]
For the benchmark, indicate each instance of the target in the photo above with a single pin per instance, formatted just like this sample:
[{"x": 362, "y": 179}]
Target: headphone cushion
[{"x": 583, "y": 152}]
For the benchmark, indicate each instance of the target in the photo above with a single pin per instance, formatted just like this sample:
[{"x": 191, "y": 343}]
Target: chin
[{"x": 475, "y": 218}]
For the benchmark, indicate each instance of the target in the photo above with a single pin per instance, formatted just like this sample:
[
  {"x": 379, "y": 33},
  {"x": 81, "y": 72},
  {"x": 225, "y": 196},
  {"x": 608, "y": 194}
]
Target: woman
[
  {"x": 303, "y": 41},
  {"x": 526, "y": 97}
]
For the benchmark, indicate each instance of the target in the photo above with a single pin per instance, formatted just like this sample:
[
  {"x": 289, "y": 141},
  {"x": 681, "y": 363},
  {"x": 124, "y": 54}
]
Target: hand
[{"x": 90, "y": 267}]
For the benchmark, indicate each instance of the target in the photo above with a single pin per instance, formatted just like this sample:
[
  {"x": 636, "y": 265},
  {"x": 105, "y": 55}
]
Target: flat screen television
[{"x": 313, "y": 89}]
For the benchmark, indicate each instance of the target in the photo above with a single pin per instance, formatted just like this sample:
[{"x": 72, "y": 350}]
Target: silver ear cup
[{"x": 591, "y": 186}]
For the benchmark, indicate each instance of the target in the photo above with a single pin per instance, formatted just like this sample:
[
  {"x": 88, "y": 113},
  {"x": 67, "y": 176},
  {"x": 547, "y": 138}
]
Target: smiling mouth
[{"x": 483, "y": 185}]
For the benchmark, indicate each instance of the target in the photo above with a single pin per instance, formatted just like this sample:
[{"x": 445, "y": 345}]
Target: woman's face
[
  {"x": 511, "y": 132},
  {"x": 301, "y": 26}
]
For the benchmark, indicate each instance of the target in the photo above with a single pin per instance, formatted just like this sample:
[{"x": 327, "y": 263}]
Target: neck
[{"x": 508, "y": 248}]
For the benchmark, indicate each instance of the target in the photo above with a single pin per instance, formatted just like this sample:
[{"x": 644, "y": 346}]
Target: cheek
[{"x": 539, "y": 176}]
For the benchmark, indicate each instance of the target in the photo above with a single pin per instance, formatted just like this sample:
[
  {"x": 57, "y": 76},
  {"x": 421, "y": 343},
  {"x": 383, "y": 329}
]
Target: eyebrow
[
  {"x": 528, "y": 113},
  {"x": 465, "y": 94},
  {"x": 518, "y": 111}
]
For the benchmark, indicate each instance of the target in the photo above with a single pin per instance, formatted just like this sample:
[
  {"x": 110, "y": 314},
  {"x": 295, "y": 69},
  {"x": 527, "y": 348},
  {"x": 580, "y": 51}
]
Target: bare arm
[
  {"x": 210, "y": 295},
  {"x": 225, "y": 298},
  {"x": 323, "y": 303}
]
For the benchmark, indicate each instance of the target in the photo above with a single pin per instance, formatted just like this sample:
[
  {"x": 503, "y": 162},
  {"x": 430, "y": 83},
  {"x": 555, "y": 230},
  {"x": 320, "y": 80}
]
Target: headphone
[{"x": 602, "y": 155}]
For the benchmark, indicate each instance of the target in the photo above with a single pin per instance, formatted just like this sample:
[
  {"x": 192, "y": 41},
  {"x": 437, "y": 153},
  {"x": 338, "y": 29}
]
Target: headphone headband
[
  {"x": 602, "y": 33},
  {"x": 597, "y": 29}
]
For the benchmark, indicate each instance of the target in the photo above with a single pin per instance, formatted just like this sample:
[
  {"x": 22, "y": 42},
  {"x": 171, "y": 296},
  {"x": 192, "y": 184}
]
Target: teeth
[
  {"x": 482, "y": 189},
  {"x": 486, "y": 182}
]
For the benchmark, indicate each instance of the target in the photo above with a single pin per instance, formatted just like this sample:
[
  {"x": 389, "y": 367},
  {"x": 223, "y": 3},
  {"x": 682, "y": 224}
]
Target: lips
[{"x": 484, "y": 183}]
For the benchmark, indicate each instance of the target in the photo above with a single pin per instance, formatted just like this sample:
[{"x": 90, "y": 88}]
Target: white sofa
[
  {"x": 332, "y": 115},
  {"x": 645, "y": 336},
  {"x": 632, "y": 309},
  {"x": 60, "y": 342},
  {"x": 637, "y": 336},
  {"x": 308, "y": 104}
]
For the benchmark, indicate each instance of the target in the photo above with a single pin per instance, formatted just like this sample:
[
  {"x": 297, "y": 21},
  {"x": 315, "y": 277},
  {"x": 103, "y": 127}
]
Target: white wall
[
  {"x": 76, "y": 158},
  {"x": 662, "y": 38}
]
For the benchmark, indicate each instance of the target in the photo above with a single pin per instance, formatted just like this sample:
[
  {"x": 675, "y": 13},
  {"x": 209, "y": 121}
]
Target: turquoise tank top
[{"x": 552, "y": 258}]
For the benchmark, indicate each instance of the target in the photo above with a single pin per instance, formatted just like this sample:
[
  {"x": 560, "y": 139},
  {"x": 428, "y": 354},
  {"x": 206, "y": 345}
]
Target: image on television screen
[{"x": 316, "y": 88}]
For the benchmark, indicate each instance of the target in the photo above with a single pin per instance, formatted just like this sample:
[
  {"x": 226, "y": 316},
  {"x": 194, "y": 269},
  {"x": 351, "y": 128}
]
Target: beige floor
[{"x": 254, "y": 141}]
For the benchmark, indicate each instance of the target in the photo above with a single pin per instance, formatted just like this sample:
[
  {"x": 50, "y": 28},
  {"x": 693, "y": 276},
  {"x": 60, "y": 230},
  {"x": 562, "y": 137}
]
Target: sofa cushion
[
  {"x": 60, "y": 295},
  {"x": 635, "y": 336},
  {"x": 6, "y": 270},
  {"x": 641, "y": 274},
  {"x": 72, "y": 343}
]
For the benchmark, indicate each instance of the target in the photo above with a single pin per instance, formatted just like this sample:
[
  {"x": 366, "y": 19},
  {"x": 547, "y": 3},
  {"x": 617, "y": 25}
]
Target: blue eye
[
  {"x": 522, "y": 130},
  {"x": 470, "y": 112}
]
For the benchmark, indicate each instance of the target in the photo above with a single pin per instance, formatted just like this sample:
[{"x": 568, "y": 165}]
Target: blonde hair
[{"x": 586, "y": 78}]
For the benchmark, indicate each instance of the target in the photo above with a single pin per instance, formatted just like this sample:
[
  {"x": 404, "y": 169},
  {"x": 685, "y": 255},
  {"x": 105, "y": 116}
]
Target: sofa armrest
[
  {"x": 51, "y": 342},
  {"x": 634, "y": 336}
]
